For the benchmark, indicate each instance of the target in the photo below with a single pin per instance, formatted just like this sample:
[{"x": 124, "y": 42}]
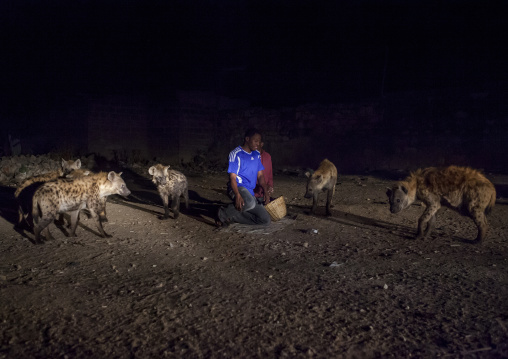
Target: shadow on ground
[
  {"x": 143, "y": 191},
  {"x": 354, "y": 220}
]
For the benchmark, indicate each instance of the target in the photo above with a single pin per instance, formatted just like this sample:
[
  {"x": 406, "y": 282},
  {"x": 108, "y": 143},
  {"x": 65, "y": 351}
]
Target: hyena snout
[
  {"x": 397, "y": 198},
  {"x": 395, "y": 209},
  {"x": 308, "y": 193},
  {"x": 124, "y": 192}
]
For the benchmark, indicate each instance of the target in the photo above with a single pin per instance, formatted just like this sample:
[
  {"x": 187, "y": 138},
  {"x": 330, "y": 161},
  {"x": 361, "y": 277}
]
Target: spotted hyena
[
  {"x": 70, "y": 165},
  {"x": 64, "y": 171},
  {"x": 171, "y": 185},
  {"x": 462, "y": 189},
  {"x": 71, "y": 196},
  {"x": 25, "y": 191},
  {"x": 323, "y": 179}
]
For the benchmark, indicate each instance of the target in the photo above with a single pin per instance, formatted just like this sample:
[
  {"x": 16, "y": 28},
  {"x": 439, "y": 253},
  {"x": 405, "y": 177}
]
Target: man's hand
[
  {"x": 239, "y": 203},
  {"x": 267, "y": 198}
]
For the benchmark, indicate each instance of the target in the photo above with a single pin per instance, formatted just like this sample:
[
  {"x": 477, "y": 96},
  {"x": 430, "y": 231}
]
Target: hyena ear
[
  {"x": 166, "y": 170},
  {"x": 151, "y": 170},
  {"x": 77, "y": 163},
  {"x": 404, "y": 189},
  {"x": 388, "y": 191},
  {"x": 86, "y": 173},
  {"x": 111, "y": 176},
  {"x": 307, "y": 174},
  {"x": 64, "y": 163},
  {"x": 319, "y": 178}
]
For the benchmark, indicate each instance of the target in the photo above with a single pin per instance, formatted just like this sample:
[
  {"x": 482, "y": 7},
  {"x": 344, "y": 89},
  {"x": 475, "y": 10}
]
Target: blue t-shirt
[{"x": 246, "y": 167}]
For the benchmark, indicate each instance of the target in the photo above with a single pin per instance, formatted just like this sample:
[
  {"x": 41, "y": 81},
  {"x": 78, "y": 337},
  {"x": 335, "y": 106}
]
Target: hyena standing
[
  {"x": 323, "y": 179},
  {"x": 64, "y": 195},
  {"x": 172, "y": 185},
  {"x": 25, "y": 191},
  {"x": 460, "y": 188}
]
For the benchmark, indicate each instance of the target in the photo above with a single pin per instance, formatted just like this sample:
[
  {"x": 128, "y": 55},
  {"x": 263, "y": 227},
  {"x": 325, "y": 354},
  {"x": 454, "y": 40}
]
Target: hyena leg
[
  {"x": 21, "y": 216},
  {"x": 99, "y": 225},
  {"x": 74, "y": 222},
  {"x": 102, "y": 212},
  {"x": 21, "y": 219},
  {"x": 165, "y": 202},
  {"x": 186, "y": 198},
  {"x": 47, "y": 234},
  {"x": 329, "y": 196},
  {"x": 175, "y": 206},
  {"x": 314, "y": 203},
  {"x": 60, "y": 221},
  {"x": 480, "y": 220},
  {"x": 95, "y": 207},
  {"x": 423, "y": 222},
  {"x": 43, "y": 224},
  {"x": 430, "y": 225}
]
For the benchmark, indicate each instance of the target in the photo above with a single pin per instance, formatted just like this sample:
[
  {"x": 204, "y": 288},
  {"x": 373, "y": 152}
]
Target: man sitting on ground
[{"x": 245, "y": 169}]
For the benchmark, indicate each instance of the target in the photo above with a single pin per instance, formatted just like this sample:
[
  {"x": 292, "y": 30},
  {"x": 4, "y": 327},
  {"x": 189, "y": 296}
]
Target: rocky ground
[{"x": 361, "y": 287}]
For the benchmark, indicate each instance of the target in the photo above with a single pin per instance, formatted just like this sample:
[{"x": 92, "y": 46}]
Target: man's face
[{"x": 253, "y": 142}]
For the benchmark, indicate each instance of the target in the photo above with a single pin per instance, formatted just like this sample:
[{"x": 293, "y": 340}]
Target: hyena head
[
  {"x": 160, "y": 174},
  {"x": 69, "y": 166},
  {"x": 399, "y": 200},
  {"x": 118, "y": 184},
  {"x": 78, "y": 173},
  {"x": 315, "y": 184}
]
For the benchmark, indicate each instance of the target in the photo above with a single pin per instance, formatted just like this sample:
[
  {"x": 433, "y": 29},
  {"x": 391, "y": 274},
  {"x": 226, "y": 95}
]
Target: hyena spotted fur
[
  {"x": 64, "y": 195},
  {"x": 171, "y": 185},
  {"x": 323, "y": 179},
  {"x": 25, "y": 191},
  {"x": 64, "y": 171},
  {"x": 462, "y": 189}
]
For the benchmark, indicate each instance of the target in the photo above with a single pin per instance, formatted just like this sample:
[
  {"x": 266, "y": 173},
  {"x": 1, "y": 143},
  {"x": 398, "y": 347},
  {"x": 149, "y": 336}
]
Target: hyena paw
[{"x": 163, "y": 217}]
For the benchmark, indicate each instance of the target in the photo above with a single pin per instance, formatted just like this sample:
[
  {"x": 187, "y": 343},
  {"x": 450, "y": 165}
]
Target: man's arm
[
  {"x": 262, "y": 183},
  {"x": 239, "y": 203}
]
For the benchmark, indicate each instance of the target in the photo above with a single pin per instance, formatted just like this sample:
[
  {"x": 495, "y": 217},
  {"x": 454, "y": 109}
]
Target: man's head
[{"x": 252, "y": 139}]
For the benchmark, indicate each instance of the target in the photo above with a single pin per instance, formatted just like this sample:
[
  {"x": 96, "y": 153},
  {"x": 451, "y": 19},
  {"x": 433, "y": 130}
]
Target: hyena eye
[{"x": 398, "y": 200}]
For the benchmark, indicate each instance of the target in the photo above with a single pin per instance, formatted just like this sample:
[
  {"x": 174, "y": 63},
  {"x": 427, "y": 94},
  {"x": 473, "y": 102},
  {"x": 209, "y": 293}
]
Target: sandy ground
[{"x": 361, "y": 287}]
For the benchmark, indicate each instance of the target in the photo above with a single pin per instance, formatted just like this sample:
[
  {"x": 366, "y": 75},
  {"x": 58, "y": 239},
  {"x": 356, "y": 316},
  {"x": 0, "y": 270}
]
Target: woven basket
[{"x": 277, "y": 208}]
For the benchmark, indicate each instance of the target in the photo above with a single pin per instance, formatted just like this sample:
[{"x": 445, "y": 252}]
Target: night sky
[{"x": 270, "y": 52}]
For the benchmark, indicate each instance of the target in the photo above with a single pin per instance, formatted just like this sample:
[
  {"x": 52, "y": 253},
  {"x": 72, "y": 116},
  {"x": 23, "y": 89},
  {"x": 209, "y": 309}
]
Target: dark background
[{"x": 270, "y": 53}]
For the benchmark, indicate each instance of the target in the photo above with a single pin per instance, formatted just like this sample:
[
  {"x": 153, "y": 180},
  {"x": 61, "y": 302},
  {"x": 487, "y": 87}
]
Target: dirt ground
[{"x": 361, "y": 287}]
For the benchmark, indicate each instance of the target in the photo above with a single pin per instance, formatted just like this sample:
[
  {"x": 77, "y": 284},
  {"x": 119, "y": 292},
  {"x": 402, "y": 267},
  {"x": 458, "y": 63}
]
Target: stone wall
[
  {"x": 402, "y": 131},
  {"x": 399, "y": 131}
]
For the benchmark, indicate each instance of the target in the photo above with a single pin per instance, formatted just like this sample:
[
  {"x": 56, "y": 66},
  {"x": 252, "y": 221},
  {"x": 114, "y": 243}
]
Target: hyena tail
[{"x": 489, "y": 207}]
